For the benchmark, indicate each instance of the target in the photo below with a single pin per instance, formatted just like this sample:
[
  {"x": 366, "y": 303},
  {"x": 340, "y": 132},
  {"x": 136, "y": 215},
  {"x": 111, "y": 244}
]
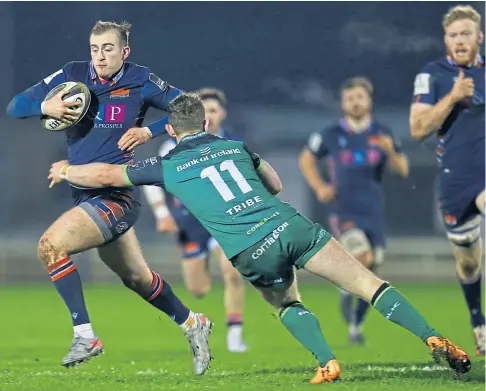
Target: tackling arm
[
  {"x": 96, "y": 175},
  {"x": 269, "y": 177}
]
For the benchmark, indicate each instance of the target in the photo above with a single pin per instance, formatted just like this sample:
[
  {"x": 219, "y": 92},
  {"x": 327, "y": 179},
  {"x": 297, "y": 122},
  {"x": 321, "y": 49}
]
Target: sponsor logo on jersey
[
  {"x": 261, "y": 223},
  {"x": 206, "y": 158},
  {"x": 110, "y": 116},
  {"x": 120, "y": 93},
  {"x": 269, "y": 241},
  {"x": 250, "y": 203},
  {"x": 450, "y": 220},
  {"x": 205, "y": 151}
]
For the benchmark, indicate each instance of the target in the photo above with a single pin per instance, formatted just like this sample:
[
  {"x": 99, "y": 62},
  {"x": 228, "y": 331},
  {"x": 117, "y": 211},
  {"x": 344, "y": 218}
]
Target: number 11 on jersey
[{"x": 217, "y": 180}]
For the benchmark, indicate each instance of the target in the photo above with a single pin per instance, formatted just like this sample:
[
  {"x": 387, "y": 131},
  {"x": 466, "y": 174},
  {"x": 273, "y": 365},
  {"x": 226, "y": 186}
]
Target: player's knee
[
  {"x": 357, "y": 244},
  {"x": 199, "y": 291},
  {"x": 48, "y": 252},
  {"x": 468, "y": 265}
]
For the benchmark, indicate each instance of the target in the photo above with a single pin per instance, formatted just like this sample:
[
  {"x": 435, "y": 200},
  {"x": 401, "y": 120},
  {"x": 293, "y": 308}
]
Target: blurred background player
[
  {"x": 104, "y": 219},
  {"x": 196, "y": 242},
  {"x": 357, "y": 150},
  {"x": 449, "y": 101}
]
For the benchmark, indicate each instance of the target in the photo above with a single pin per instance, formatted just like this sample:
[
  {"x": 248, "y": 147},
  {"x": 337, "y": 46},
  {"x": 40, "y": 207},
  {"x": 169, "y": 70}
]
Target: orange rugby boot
[
  {"x": 327, "y": 374},
  {"x": 456, "y": 357}
]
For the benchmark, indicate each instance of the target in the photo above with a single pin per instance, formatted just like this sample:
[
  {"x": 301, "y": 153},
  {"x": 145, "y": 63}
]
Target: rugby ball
[{"x": 78, "y": 92}]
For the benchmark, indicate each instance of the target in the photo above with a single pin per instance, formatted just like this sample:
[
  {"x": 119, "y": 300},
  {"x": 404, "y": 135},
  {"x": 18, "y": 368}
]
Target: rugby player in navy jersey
[
  {"x": 449, "y": 102},
  {"x": 103, "y": 219},
  {"x": 196, "y": 242},
  {"x": 357, "y": 149}
]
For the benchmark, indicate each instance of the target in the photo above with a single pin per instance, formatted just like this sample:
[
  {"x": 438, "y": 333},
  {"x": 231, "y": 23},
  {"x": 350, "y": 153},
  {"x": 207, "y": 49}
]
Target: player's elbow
[
  {"x": 305, "y": 159},
  {"x": 277, "y": 186},
  {"x": 13, "y": 108}
]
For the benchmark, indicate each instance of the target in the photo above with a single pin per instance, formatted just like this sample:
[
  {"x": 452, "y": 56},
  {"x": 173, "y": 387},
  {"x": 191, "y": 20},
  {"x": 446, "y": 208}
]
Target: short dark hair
[
  {"x": 213, "y": 93},
  {"x": 358, "y": 81},
  {"x": 122, "y": 29},
  {"x": 186, "y": 112}
]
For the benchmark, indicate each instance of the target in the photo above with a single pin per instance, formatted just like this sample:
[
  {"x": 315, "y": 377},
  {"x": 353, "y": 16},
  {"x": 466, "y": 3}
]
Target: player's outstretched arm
[
  {"x": 96, "y": 175},
  {"x": 89, "y": 175},
  {"x": 269, "y": 177}
]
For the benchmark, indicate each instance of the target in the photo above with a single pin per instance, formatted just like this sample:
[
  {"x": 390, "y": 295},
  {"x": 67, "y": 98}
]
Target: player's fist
[
  {"x": 134, "y": 137},
  {"x": 463, "y": 87},
  {"x": 58, "y": 172},
  {"x": 67, "y": 112},
  {"x": 385, "y": 143},
  {"x": 325, "y": 193},
  {"x": 166, "y": 224}
]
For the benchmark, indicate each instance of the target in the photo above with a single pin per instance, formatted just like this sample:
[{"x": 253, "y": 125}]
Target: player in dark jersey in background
[
  {"x": 233, "y": 194},
  {"x": 357, "y": 149},
  {"x": 121, "y": 94},
  {"x": 196, "y": 242},
  {"x": 449, "y": 101}
]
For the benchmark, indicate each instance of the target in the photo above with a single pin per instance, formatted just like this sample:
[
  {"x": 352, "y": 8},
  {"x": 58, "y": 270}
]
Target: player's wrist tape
[
  {"x": 148, "y": 131},
  {"x": 42, "y": 107},
  {"x": 161, "y": 212},
  {"x": 63, "y": 172}
]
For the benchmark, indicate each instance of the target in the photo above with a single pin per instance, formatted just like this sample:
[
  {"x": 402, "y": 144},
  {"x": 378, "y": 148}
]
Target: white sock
[
  {"x": 354, "y": 329},
  {"x": 84, "y": 330},
  {"x": 190, "y": 322},
  {"x": 235, "y": 334}
]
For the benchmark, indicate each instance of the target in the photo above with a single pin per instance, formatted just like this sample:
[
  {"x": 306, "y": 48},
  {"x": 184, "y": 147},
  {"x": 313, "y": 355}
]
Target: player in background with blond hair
[{"x": 448, "y": 101}]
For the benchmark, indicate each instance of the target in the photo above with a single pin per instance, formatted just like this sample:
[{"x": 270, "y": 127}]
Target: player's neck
[
  {"x": 358, "y": 125},
  {"x": 180, "y": 136}
]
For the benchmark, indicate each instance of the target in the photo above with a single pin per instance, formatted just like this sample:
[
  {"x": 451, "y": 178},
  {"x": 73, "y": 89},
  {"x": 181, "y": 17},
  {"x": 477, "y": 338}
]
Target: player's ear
[
  {"x": 170, "y": 130},
  {"x": 223, "y": 113},
  {"x": 126, "y": 52},
  {"x": 481, "y": 37}
]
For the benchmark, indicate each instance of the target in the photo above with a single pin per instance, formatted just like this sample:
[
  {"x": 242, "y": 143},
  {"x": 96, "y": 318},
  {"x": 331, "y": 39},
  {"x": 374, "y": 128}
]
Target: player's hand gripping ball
[{"x": 65, "y": 105}]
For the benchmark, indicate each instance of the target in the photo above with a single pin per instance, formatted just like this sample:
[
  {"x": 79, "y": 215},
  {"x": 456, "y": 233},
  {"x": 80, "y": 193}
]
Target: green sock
[
  {"x": 304, "y": 326},
  {"x": 395, "y": 307}
]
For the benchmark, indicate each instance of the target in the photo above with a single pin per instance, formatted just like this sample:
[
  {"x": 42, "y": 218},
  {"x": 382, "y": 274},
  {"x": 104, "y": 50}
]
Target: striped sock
[
  {"x": 65, "y": 278},
  {"x": 163, "y": 298},
  {"x": 234, "y": 319}
]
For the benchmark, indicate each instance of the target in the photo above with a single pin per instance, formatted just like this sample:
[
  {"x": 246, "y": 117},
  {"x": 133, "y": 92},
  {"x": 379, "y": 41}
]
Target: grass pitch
[{"x": 145, "y": 351}]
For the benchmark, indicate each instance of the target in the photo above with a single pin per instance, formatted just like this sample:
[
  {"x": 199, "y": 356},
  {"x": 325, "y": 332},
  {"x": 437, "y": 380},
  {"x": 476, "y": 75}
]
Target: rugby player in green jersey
[{"x": 232, "y": 191}]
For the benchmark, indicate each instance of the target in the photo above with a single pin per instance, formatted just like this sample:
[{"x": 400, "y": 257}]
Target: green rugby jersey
[{"x": 216, "y": 179}]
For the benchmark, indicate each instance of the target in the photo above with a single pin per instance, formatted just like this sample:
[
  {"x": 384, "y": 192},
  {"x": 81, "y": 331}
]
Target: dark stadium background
[{"x": 280, "y": 64}]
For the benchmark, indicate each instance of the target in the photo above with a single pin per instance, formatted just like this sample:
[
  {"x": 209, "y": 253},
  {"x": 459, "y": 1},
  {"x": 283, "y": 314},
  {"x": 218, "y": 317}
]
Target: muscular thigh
[
  {"x": 73, "y": 232},
  {"x": 124, "y": 256}
]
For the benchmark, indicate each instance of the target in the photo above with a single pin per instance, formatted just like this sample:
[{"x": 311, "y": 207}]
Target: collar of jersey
[
  {"x": 480, "y": 60},
  {"x": 193, "y": 136},
  {"x": 114, "y": 79},
  {"x": 345, "y": 126}
]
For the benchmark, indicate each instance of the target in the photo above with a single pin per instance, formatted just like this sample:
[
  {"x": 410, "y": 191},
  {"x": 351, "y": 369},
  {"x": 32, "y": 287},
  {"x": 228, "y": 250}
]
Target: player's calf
[
  {"x": 196, "y": 276},
  {"x": 73, "y": 232},
  {"x": 303, "y": 325}
]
